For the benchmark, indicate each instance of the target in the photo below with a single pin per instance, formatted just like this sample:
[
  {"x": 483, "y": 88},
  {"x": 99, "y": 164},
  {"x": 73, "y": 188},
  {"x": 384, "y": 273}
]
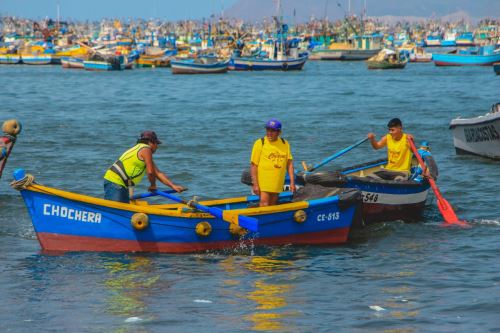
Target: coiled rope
[{"x": 21, "y": 184}]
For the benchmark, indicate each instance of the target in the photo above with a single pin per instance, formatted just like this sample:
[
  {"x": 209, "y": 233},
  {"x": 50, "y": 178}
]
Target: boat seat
[
  {"x": 313, "y": 191},
  {"x": 388, "y": 175}
]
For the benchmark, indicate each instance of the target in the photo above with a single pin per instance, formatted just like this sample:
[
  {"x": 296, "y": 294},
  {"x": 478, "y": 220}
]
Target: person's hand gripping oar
[{"x": 450, "y": 218}]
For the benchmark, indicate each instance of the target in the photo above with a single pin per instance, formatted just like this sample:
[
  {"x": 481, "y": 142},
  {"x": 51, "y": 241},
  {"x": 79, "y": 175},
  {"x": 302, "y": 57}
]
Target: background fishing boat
[
  {"x": 65, "y": 221},
  {"x": 262, "y": 64},
  {"x": 481, "y": 56},
  {"x": 449, "y": 39},
  {"x": 418, "y": 54},
  {"x": 357, "y": 48},
  {"x": 10, "y": 59},
  {"x": 479, "y": 135},
  {"x": 465, "y": 39},
  {"x": 36, "y": 59},
  {"x": 71, "y": 62},
  {"x": 99, "y": 62},
  {"x": 201, "y": 65},
  {"x": 432, "y": 41},
  {"x": 153, "y": 61},
  {"x": 387, "y": 59},
  {"x": 275, "y": 54}
]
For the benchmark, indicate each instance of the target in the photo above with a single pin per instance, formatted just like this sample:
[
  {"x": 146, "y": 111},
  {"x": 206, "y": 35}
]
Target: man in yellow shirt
[
  {"x": 131, "y": 167},
  {"x": 399, "y": 153},
  {"x": 271, "y": 159}
]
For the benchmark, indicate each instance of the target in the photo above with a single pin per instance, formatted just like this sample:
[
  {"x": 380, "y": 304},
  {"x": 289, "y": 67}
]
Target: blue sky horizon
[{"x": 98, "y": 9}]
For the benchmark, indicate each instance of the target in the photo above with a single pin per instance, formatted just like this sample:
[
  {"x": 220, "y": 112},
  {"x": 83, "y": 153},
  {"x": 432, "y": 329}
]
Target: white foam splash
[
  {"x": 376, "y": 308},
  {"x": 488, "y": 222},
  {"x": 202, "y": 301},
  {"x": 132, "y": 320}
]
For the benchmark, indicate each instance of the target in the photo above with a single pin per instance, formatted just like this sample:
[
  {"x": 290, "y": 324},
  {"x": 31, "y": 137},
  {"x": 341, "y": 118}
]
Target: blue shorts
[{"x": 115, "y": 192}]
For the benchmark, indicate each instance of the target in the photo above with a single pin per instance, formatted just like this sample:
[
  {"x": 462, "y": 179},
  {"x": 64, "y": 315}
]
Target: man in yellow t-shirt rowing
[
  {"x": 271, "y": 159},
  {"x": 399, "y": 153}
]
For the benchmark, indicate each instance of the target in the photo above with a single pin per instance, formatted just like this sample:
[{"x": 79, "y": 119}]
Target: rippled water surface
[{"x": 394, "y": 278}]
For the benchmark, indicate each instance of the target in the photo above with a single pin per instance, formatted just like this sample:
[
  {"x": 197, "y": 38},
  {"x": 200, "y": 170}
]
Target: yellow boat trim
[
  {"x": 204, "y": 203},
  {"x": 149, "y": 209},
  {"x": 270, "y": 209},
  {"x": 174, "y": 210},
  {"x": 223, "y": 201},
  {"x": 339, "y": 46}
]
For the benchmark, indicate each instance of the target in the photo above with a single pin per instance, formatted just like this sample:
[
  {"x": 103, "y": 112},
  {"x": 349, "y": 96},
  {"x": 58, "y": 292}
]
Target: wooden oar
[
  {"x": 334, "y": 156},
  {"x": 249, "y": 223},
  {"x": 4, "y": 161},
  {"x": 444, "y": 206},
  {"x": 149, "y": 194}
]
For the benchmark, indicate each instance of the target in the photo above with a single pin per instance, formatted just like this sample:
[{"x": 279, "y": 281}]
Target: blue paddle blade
[{"x": 249, "y": 223}]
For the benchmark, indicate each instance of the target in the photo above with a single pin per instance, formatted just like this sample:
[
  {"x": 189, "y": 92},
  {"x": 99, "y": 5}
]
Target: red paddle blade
[{"x": 448, "y": 214}]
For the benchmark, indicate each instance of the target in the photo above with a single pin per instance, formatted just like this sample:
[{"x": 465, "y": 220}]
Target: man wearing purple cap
[
  {"x": 271, "y": 159},
  {"x": 130, "y": 168}
]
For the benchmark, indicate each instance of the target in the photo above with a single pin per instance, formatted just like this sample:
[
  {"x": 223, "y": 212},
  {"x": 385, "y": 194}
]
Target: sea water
[{"x": 395, "y": 277}]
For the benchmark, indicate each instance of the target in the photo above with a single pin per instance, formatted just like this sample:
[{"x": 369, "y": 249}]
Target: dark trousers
[{"x": 115, "y": 192}]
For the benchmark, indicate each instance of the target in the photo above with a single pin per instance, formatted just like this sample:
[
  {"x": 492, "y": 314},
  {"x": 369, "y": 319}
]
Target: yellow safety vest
[
  {"x": 128, "y": 170},
  {"x": 398, "y": 154}
]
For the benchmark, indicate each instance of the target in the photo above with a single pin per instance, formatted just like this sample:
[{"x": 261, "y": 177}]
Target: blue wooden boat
[
  {"x": 448, "y": 43},
  {"x": 71, "y": 62},
  {"x": 10, "y": 59},
  {"x": 202, "y": 65},
  {"x": 383, "y": 200},
  {"x": 102, "y": 63},
  {"x": 482, "y": 56},
  {"x": 432, "y": 40},
  {"x": 36, "y": 59},
  {"x": 465, "y": 39},
  {"x": 65, "y": 221},
  {"x": 449, "y": 39},
  {"x": 261, "y": 64},
  {"x": 496, "y": 67}
]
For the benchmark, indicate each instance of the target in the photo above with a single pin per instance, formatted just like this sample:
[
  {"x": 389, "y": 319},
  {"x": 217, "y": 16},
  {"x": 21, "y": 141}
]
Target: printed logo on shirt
[{"x": 277, "y": 159}]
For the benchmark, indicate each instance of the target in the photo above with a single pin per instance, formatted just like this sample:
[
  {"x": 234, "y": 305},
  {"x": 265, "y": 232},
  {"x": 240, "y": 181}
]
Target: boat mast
[
  {"x": 58, "y": 15},
  {"x": 280, "y": 31},
  {"x": 325, "y": 22}
]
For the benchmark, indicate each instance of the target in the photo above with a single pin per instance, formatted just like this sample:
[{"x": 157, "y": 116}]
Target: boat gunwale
[
  {"x": 264, "y": 60},
  {"x": 461, "y": 122},
  {"x": 150, "y": 209}
]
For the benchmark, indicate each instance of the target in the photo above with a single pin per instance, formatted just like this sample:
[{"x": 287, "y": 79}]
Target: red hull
[
  {"x": 373, "y": 213},
  {"x": 444, "y": 63},
  {"x": 421, "y": 60},
  {"x": 65, "y": 243}
]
